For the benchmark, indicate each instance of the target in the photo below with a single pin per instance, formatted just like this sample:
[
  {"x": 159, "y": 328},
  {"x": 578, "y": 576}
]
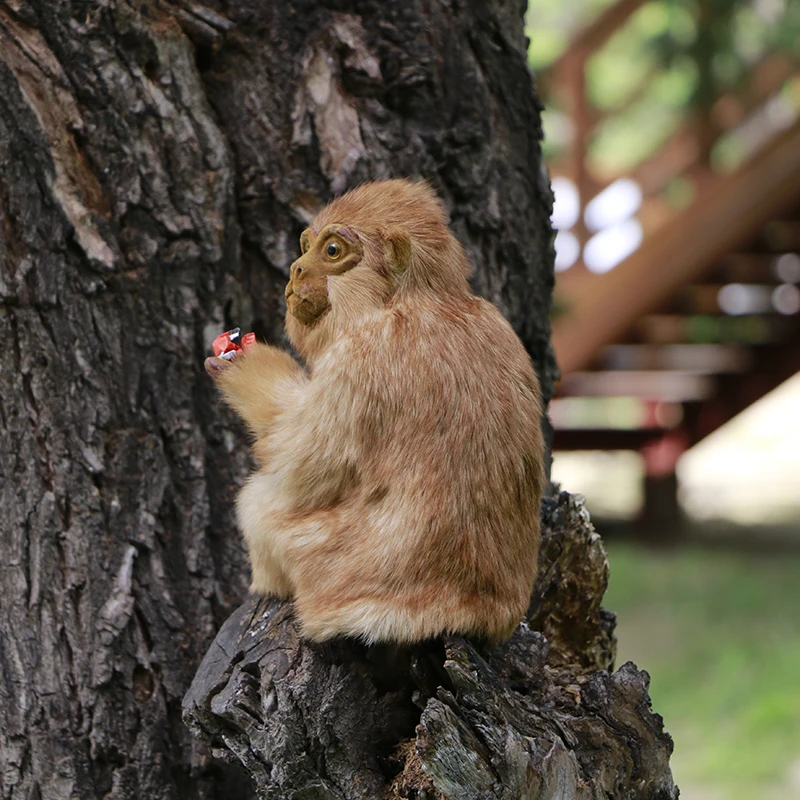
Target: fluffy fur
[{"x": 401, "y": 473}]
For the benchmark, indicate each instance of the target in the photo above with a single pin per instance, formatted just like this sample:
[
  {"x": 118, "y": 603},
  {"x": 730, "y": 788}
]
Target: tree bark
[{"x": 157, "y": 162}]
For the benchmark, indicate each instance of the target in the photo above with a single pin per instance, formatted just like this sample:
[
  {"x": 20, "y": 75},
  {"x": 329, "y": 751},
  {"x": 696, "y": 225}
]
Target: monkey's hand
[
  {"x": 257, "y": 383},
  {"x": 216, "y": 364}
]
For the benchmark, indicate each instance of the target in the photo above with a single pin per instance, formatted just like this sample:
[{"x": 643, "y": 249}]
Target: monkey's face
[{"x": 333, "y": 251}]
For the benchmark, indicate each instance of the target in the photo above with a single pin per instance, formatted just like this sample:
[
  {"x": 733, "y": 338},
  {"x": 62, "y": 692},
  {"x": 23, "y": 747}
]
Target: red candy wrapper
[{"x": 228, "y": 344}]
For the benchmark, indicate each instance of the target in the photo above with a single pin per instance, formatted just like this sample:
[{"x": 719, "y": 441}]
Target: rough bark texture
[
  {"x": 157, "y": 163},
  {"x": 539, "y": 717}
]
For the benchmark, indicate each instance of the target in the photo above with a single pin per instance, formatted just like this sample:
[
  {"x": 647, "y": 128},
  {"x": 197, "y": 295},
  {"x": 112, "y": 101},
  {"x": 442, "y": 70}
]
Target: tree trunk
[{"x": 158, "y": 161}]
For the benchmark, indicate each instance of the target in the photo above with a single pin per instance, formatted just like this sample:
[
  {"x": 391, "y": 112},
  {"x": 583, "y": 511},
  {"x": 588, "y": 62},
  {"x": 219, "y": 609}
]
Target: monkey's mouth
[{"x": 306, "y": 310}]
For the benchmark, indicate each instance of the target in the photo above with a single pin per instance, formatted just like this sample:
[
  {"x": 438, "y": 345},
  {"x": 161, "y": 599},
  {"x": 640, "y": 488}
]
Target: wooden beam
[
  {"x": 708, "y": 328},
  {"x": 745, "y": 268},
  {"x": 671, "y": 387},
  {"x": 698, "y": 358},
  {"x": 604, "y": 438},
  {"x": 723, "y": 218},
  {"x": 704, "y": 298}
]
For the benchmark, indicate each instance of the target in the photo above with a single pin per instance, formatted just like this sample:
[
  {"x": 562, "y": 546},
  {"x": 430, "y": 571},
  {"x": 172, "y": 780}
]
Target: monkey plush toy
[{"x": 400, "y": 473}]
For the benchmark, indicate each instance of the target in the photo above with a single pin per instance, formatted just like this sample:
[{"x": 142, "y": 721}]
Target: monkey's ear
[{"x": 398, "y": 250}]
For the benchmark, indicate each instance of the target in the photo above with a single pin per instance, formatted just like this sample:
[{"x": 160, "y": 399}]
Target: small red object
[{"x": 228, "y": 344}]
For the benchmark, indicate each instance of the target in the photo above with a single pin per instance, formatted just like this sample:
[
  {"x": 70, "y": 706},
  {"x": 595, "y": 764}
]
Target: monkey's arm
[
  {"x": 258, "y": 384},
  {"x": 320, "y": 441}
]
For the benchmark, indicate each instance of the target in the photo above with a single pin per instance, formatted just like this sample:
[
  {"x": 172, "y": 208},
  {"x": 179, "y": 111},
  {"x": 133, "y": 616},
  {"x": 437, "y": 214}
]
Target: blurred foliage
[
  {"x": 671, "y": 59},
  {"x": 719, "y": 634},
  {"x": 551, "y": 23}
]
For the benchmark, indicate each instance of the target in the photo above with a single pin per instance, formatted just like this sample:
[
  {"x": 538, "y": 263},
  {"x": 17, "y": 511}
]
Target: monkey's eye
[
  {"x": 333, "y": 250},
  {"x": 304, "y": 246}
]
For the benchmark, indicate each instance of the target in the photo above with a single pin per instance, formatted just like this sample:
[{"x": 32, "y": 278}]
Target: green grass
[{"x": 719, "y": 633}]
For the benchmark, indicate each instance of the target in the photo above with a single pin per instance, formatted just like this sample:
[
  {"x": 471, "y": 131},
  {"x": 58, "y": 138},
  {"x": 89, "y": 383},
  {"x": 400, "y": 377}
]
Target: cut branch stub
[{"x": 538, "y": 717}]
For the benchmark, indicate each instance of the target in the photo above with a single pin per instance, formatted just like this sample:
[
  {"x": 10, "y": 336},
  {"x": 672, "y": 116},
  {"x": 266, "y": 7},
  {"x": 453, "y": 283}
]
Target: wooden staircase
[{"x": 702, "y": 319}]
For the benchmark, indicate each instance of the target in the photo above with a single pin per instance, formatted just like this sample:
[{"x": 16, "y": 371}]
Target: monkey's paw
[{"x": 216, "y": 365}]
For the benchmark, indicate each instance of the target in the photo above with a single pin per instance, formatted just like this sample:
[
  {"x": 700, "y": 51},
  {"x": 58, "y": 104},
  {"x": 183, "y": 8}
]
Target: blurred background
[{"x": 672, "y": 133}]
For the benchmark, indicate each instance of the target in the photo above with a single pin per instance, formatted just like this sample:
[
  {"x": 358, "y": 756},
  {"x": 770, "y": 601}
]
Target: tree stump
[{"x": 541, "y": 716}]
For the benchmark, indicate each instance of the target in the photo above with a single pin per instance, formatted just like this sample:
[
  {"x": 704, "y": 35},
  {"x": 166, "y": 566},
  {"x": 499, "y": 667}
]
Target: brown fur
[{"x": 400, "y": 475}]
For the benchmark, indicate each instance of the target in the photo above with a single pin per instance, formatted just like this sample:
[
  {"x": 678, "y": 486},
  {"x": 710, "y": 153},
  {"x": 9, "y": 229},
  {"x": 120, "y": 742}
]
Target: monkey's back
[{"x": 440, "y": 528}]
